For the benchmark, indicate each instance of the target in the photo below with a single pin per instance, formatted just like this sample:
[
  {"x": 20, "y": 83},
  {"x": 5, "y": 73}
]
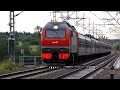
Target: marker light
[{"x": 55, "y": 27}]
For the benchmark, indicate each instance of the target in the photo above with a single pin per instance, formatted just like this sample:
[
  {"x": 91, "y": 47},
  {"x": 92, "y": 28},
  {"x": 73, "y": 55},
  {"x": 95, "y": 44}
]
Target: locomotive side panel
[
  {"x": 73, "y": 46},
  {"x": 81, "y": 45},
  {"x": 93, "y": 46},
  {"x": 88, "y": 46}
]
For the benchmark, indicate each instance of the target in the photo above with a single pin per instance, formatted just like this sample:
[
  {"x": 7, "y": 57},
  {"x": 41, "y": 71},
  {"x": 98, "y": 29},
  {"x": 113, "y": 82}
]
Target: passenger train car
[{"x": 61, "y": 43}]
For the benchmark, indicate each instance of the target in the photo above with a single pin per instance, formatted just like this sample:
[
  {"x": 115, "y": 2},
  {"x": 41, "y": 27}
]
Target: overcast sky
[{"x": 28, "y": 20}]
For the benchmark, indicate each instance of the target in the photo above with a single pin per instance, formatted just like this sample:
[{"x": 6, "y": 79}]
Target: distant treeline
[{"x": 30, "y": 42}]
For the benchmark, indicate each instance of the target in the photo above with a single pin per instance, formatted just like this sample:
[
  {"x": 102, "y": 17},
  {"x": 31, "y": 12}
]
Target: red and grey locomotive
[{"x": 61, "y": 42}]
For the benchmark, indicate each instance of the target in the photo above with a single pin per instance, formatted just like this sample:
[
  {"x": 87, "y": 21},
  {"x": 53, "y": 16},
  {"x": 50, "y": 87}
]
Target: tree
[
  {"x": 35, "y": 39},
  {"x": 26, "y": 49},
  {"x": 37, "y": 28},
  {"x": 116, "y": 46},
  {"x": 3, "y": 48}
]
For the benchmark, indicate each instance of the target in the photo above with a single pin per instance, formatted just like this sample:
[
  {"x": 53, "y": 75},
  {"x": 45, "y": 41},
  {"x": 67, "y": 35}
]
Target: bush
[{"x": 9, "y": 66}]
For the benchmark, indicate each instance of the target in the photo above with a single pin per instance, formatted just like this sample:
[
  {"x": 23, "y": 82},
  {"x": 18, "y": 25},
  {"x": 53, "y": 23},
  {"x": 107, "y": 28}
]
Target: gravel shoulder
[{"x": 105, "y": 74}]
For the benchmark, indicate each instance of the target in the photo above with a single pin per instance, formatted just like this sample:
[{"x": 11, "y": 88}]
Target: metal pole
[
  {"x": 8, "y": 39},
  {"x": 68, "y": 17},
  {"x": 112, "y": 72},
  {"x": 11, "y": 38},
  {"x": 93, "y": 28},
  {"x": 54, "y": 16},
  {"x": 89, "y": 26},
  {"x": 73, "y": 59},
  {"x": 96, "y": 31},
  {"x": 83, "y": 23},
  {"x": 14, "y": 36},
  {"x": 34, "y": 61}
]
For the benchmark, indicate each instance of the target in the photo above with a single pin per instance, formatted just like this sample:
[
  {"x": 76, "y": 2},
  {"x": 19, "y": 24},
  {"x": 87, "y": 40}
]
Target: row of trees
[
  {"x": 23, "y": 41},
  {"x": 116, "y": 46}
]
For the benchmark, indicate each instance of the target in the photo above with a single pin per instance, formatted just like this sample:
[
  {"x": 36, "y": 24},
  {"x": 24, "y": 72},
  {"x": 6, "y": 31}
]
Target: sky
[
  {"x": 28, "y": 20},
  {"x": 25, "y": 21}
]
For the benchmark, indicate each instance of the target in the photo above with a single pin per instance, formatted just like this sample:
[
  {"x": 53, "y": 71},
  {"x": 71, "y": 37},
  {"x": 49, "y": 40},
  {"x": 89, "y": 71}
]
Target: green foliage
[
  {"x": 26, "y": 49},
  {"x": 116, "y": 46},
  {"x": 37, "y": 28},
  {"x": 23, "y": 40},
  {"x": 35, "y": 38},
  {"x": 35, "y": 50},
  {"x": 31, "y": 39},
  {"x": 9, "y": 66},
  {"x": 3, "y": 48}
]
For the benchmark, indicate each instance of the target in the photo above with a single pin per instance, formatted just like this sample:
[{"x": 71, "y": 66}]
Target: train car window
[
  {"x": 93, "y": 42},
  {"x": 81, "y": 44},
  {"x": 88, "y": 41},
  {"x": 82, "y": 40}
]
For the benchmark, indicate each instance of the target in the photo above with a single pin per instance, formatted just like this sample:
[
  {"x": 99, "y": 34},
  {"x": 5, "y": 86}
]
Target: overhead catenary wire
[
  {"x": 114, "y": 24},
  {"x": 115, "y": 20},
  {"x": 69, "y": 17},
  {"x": 102, "y": 21},
  {"x": 113, "y": 17}
]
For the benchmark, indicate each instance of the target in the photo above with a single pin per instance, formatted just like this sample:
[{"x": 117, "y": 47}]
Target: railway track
[
  {"x": 88, "y": 68},
  {"x": 59, "y": 73},
  {"x": 26, "y": 73},
  {"x": 99, "y": 66}
]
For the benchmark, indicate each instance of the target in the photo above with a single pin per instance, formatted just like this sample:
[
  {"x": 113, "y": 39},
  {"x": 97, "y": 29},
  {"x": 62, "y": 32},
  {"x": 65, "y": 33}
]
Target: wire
[
  {"x": 114, "y": 24},
  {"x": 102, "y": 21},
  {"x": 96, "y": 16},
  {"x": 19, "y": 13},
  {"x": 112, "y": 17}
]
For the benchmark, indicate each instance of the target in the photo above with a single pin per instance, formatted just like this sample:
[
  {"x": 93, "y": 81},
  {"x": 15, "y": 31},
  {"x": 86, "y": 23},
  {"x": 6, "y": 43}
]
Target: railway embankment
[{"x": 108, "y": 70}]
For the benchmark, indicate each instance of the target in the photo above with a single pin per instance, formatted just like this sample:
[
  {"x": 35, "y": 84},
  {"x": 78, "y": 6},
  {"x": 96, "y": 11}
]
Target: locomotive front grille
[
  {"x": 55, "y": 50},
  {"x": 55, "y": 56}
]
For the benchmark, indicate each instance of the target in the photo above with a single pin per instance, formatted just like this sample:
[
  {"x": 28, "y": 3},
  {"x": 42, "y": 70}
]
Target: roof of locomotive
[
  {"x": 64, "y": 25},
  {"x": 61, "y": 25}
]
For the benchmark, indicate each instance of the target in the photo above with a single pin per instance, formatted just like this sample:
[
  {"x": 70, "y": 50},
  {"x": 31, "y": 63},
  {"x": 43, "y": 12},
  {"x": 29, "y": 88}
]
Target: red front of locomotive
[{"x": 55, "y": 41}]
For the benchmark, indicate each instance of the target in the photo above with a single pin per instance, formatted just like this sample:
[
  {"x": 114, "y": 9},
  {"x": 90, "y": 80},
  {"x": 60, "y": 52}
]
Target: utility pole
[
  {"x": 93, "y": 28},
  {"x": 54, "y": 16},
  {"x": 89, "y": 26},
  {"x": 96, "y": 32},
  {"x": 83, "y": 24},
  {"x": 99, "y": 34},
  {"x": 11, "y": 39}
]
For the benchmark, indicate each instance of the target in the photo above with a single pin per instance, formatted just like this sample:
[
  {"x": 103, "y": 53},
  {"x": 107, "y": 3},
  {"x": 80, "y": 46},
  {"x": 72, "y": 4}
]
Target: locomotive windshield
[
  {"x": 55, "y": 33},
  {"x": 56, "y": 29}
]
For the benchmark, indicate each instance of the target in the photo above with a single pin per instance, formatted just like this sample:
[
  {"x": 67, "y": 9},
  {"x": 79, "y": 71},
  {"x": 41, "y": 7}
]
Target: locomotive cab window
[
  {"x": 55, "y": 33},
  {"x": 55, "y": 29}
]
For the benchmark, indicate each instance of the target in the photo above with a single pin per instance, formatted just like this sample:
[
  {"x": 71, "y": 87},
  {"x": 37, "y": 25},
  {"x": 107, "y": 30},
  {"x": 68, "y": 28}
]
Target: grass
[{"x": 7, "y": 66}]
